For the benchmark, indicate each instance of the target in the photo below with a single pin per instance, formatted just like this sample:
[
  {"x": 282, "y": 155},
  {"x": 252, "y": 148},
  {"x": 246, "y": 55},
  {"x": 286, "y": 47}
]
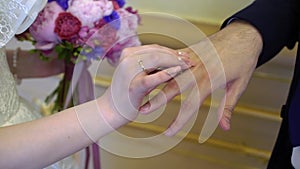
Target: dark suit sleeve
[{"x": 275, "y": 20}]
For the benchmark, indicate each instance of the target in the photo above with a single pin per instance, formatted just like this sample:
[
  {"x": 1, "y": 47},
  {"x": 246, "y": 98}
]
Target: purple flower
[
  {"x": 93, "y": 53},
  {"x": 113, "y": 55},
  {"x": 113, "y": 19},
  {"x": 121, "y": 3},
  {"x": 63, "y": 3}
]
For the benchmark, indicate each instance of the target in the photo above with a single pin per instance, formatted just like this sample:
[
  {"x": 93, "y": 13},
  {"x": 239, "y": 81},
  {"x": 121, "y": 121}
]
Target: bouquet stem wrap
[{"x": 82, "y": 84}]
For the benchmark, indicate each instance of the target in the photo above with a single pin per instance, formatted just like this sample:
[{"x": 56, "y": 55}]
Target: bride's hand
[{"x": 133, "y": 80}]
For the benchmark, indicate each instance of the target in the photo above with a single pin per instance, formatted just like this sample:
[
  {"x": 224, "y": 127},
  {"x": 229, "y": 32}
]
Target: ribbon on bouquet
[{"x": 82, "y": 83}]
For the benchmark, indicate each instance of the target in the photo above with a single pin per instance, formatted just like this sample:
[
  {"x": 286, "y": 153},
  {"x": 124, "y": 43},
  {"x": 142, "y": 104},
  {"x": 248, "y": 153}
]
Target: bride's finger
[
  {"x": 189, "y": 108},
  {"x": 153, "y": 80},
  {"x": 153, "y": 47},
  {"x": 173, "y": 88},
  {"x": 168, "y": 92},
  {"x": 153, "y": 60}
]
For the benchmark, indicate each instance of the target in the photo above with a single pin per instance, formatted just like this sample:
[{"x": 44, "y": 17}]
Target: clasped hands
[{"x": 225, "y": 60}]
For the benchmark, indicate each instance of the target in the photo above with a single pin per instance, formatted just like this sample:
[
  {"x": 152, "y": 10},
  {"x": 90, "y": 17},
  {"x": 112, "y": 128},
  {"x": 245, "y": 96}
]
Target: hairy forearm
[
  {"x": 226, "y": 55},
  {"x": 29, "y": 65},
  {"x": 237, "y": 45}
]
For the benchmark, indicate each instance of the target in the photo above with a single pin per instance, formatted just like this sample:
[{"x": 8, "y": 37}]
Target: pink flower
[
  {"x": 42, "y": 30},
  {"x": 85, "y": 33},
  {"x": 129, "y": 24},
  {"x": 126, "y": 36},
  {"x": 90, "y": 11},
  {"x": 114, "y": 53},
  {"x": 105, "y": 37},
  {"x": 114, "y": 41}
]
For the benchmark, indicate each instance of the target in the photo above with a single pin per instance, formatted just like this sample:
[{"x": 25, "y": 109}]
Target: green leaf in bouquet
[{"x": 51, "y": 96}]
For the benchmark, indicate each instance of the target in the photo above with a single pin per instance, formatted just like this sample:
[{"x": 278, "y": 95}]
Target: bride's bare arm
[{"x": 39, "y": 143}]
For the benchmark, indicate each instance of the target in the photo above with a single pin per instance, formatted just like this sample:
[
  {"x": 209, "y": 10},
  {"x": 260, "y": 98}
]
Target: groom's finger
[
  {"x": 233, "y": 94},
  {"x": 189, "y": 107},
  {"x": 161, "y": 98}
]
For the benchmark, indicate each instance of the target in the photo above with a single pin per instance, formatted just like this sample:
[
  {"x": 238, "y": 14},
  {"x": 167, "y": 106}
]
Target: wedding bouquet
[{"x": 79, "y": 31}]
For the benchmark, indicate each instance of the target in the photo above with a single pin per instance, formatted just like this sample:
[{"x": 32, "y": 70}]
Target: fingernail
[
  {"x": 225, "y": 126},
  {"x": 173, "y": 71},
  {"x": 180, "y": 58},
  {"x": 187, "y": 60},
  {"x": 180, "y": 53},
  {"x": 168, "y": 133},
  {"x": 191, "y": 63},
  {"x": 144, "y": 108}
]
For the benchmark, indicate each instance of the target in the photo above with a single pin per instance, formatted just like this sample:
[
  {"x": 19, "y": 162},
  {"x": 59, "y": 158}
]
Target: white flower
[
  {"x": 90, "y": 11},
  {"x": 129, "y": 24}
]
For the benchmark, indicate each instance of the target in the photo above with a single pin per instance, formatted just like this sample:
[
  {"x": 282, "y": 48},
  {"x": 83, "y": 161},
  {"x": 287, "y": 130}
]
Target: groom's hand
[{"x": 225, "y": 60}]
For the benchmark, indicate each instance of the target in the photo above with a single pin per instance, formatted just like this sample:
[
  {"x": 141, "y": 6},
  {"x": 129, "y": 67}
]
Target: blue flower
[
  {"x": 113, "y": 19},
  {"x": 62, "y": 3},
  {"x": 121, "y": 3},
  {"x": 93, "y": 53}
]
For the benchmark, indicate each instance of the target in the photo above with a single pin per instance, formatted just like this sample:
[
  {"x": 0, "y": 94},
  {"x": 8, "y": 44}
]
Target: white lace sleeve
[{"x": 16, "y": 16}]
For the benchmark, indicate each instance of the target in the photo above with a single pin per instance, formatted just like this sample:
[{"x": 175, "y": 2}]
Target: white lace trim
[
  {"x": 16, "y": 16},
  {"x": 9, "y": 103}
]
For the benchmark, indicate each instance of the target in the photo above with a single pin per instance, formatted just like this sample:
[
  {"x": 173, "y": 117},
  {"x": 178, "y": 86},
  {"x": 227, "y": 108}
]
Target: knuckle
[
  {"x": 154, "y": 46},
  {"x": 173, "y": 86},
  {"x": 228, "y": 110},
  {"x": 126, "y": 53},
  {"x": 155, "y": 59},
  {"x": 144, "y": 82},
  {"x": 161, "y": 77},
  {"x": 126, "y": 61},
  {"x": 131, "y": 89},
  {"x": 122, "y": 65}
]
